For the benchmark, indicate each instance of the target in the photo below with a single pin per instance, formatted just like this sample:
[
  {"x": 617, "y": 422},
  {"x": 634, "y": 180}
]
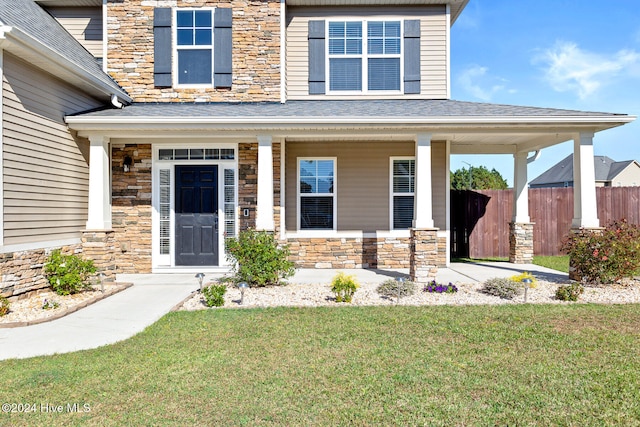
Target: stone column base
[
  {"x": 100, "y": 246},
  {"x": 521, "y": 242},
  {"x": 423, "y": 257},
  {"x": 573, "y": 273}
]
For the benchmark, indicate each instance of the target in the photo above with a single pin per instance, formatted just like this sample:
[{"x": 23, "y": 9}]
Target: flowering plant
[
  {"x": 525, "y": 275},
  {"x": 48, "y": 305},
  {"x": 439, "y": 288}
]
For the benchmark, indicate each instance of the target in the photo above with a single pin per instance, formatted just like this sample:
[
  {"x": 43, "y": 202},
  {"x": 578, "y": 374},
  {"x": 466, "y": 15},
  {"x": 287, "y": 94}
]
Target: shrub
[
  {"x": 396, "y": 289},
  {"x": 569, "y": 292},
  {"x": 257, "y": 259},
  {"x": 344, "y": 286},
  {"x": 68, "y": 274},
  {"x": 525, "y": 275},
  {"x": 439, "y": 288},
  {"x": 214, "y": 295},
  {"x": 4, "y": 306},
  {"x": 607, "y": 256},
  {"x": 502, "y": 287},
  {"x": 49, "y": 305}
]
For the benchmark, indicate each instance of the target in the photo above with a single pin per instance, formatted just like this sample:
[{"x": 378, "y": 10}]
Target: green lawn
[
  {"x": 560, "y": 262},
  {"x": 442, "y": 366}
]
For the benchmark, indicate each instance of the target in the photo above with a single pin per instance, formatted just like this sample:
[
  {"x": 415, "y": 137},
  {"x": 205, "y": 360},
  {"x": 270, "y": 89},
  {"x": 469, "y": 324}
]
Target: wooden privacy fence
[{"x": 480, "y": 219}]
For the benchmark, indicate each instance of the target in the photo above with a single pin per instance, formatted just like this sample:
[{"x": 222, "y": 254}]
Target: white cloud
[
  {"x": 479, "y": 84},
  {"x": 571, "y": 69}
]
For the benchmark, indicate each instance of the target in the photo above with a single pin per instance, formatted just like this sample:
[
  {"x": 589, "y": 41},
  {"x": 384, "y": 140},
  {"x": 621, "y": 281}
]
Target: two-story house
[{"x": 329, "y": 123}]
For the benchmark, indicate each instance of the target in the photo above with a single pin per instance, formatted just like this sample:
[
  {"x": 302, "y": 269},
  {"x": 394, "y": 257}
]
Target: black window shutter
[
  {"x": 316, "y": 58},
  {"x": 162, "y": 47},
  {"x": 412, "y": 56},
  {"x": 222, "y": 59}
]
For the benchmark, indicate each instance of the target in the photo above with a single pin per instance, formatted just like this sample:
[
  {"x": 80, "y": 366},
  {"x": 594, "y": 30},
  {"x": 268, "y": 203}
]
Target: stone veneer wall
[
  {"x": 256, "y": 51},
  {"x": 131, "y": 208},
  {"x": 23, "y": 271},
  {"x": 424, "y": 256},
  {"x": 521, "y": 243}
]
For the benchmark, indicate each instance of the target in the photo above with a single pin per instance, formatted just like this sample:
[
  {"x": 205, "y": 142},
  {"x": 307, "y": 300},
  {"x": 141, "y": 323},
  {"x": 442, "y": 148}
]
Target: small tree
[
  {"x": 257, "y": 259},
  {"x": 477, "y": 178}
]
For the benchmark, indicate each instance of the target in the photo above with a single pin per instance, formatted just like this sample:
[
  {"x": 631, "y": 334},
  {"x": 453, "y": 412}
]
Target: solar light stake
[
  {"x": 101, "y": 277},
  {"x": 243, "y": 286},
  {"x": 527, "y": 283},
  {"x": 399, "y": 289},
  {"x": 200, "y": 277}
]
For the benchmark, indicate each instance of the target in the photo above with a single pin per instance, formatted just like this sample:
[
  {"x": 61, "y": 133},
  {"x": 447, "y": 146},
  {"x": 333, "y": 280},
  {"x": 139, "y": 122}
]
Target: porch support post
[
  {"x": 585, "y": 209},
  {"x": 99, "y": 215},
  {"x": 422, "y": 207},
  {"x": 264, "y": 213},
  {"x": 520, "y": 228},
  {"x": 423, "y": 257}
]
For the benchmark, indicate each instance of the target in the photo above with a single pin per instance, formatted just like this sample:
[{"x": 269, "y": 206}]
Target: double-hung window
[
  {"x": 364, "y": 56},
  {"x": 194, "y": 46},
  {"x": 403, "y": 173},
  {"x": 317, "y": 194}
]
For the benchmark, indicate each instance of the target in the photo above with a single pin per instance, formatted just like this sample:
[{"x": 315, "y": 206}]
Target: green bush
[
  {"x": 392, "y": 288},
  {"x": 502, "y": 287},
  {"x": 68, "y": 274},
  {"x": 607, "y": 256},
  {"x": 214, "y": 295},
  {"x": 569, "y": 292},
  {"x": 344, "y": 286},
  {"x": 4, "y": 306},
  {"x": 257, "y": 259}
]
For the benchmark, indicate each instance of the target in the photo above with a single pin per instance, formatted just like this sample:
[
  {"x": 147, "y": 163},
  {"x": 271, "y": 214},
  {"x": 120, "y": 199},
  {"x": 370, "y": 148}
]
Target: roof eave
[{"x": 14, "y": 39}]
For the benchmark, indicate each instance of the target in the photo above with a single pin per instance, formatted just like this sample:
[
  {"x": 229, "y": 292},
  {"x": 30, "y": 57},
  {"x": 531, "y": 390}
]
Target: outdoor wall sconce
[
  {"x": 128, "y": 162},
  {"x": 101, "y": 276},
  {"x": 527, "y": 284},
  {"x": 243, "y": 286},
  {"x": 200, "y": 277}
]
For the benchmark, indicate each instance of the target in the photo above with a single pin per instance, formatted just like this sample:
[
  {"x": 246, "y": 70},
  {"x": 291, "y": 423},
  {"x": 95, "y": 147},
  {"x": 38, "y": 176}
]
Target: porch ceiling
[{"x": 471, "y": 127}]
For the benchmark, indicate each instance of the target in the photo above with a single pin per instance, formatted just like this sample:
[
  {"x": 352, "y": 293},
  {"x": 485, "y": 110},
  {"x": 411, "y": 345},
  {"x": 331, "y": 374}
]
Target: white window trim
[
  {"x": 392, "y": 193},
  {"x": 365, "y": 57},
  {"x": 335, "y": 196},
  {"x": 161, "y": 262},
  {"x": 175, "y": 48}
]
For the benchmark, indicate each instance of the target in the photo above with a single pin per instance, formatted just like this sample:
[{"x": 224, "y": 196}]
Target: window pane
[
  {"x": 384, "y": 74},
  {"x": 354, "y": 30},
  {"x": 402, "y": 184},
  {"x": 194, "y": 66},
  {"x": 402, "y": 211},
  {"x": 336, "y": 46},
  {"x": 182, "y": 154},
  {"x": 325, "y": 167},
  {"x": 308, "y": 185},
  {"x": 227, "y": 154},
  {"x": 165, "y": 154},
  {"x": 196, "y": 154},
  {"x": 203, "y": 18},
  {"x": 203, "y": 37},
  {"x": 402, "y": 167},
  {"x": 185, "y": 18},
  {"x": 307, "y": 168},
  {"x": 392, "y": 29},
  {"x": 325, "y": 185},
  {"x": 375, "y": 29},
  {"x": 376, "y": 47},
  {"x": 345, "y": 73},
  {"x": 336, "y": 29},
  {"x": 211, "y": 154},
  {"x": 185, "y": 37},
  {"x": 392, "y": 46},
  {"x": 354, "y": 46},
  {"x": 316, "y": 213}
]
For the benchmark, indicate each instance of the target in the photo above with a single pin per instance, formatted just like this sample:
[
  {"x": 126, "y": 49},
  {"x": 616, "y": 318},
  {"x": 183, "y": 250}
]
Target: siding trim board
[{"x": 1, "y": 148}]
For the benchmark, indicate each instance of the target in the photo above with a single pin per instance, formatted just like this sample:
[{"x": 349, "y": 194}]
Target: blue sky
[{"x": 574, "y": 54}]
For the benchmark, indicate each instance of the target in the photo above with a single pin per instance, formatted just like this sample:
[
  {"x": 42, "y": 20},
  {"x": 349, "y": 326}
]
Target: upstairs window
[
  {"x": 364, "y": 56},
  {"x": 194, "y": 46}
]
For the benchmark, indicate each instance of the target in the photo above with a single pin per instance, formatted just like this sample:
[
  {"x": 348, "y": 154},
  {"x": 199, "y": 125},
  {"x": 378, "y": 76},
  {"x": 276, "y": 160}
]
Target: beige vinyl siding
[
  {"x": 45, "y": 169},
  {"x": 629, "y": 176},
  {"x": 433, "y": 47},
  {"x": 362, "y": 180},
  {"x": 83, "y": 23}
]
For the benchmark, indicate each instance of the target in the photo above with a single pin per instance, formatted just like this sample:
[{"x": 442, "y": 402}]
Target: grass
[
  {"x": 528, "y": 365},
  {"x": 560, "y": 263}
]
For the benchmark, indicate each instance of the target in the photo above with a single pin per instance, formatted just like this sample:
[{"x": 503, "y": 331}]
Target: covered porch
[{"x": 270, "y": 142}]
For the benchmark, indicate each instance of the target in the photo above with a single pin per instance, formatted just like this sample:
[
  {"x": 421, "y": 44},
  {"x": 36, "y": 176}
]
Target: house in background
[
  {"x": 328, "y": 123},
  {"x": 608, "y": 173}
]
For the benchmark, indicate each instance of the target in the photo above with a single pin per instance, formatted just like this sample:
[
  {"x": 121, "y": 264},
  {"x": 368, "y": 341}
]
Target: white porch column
[
  {"x": 585, "y": 209},
  {"x": 99, "y": 216},
  {"x": 422, "y": 207},
  {"x": 520, "y": 193},
  {"x": 264, "y": 213}
]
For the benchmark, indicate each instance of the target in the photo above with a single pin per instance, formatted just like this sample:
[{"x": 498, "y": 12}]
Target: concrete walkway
[{"x": 123, "y": 315}]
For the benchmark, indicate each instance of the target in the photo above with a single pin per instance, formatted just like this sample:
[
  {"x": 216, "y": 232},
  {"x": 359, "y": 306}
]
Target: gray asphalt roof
[
  {"x": 30, "y": 18},
  {"x": 605, "y": 169},
  {"x": 339, "y": 108}
]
